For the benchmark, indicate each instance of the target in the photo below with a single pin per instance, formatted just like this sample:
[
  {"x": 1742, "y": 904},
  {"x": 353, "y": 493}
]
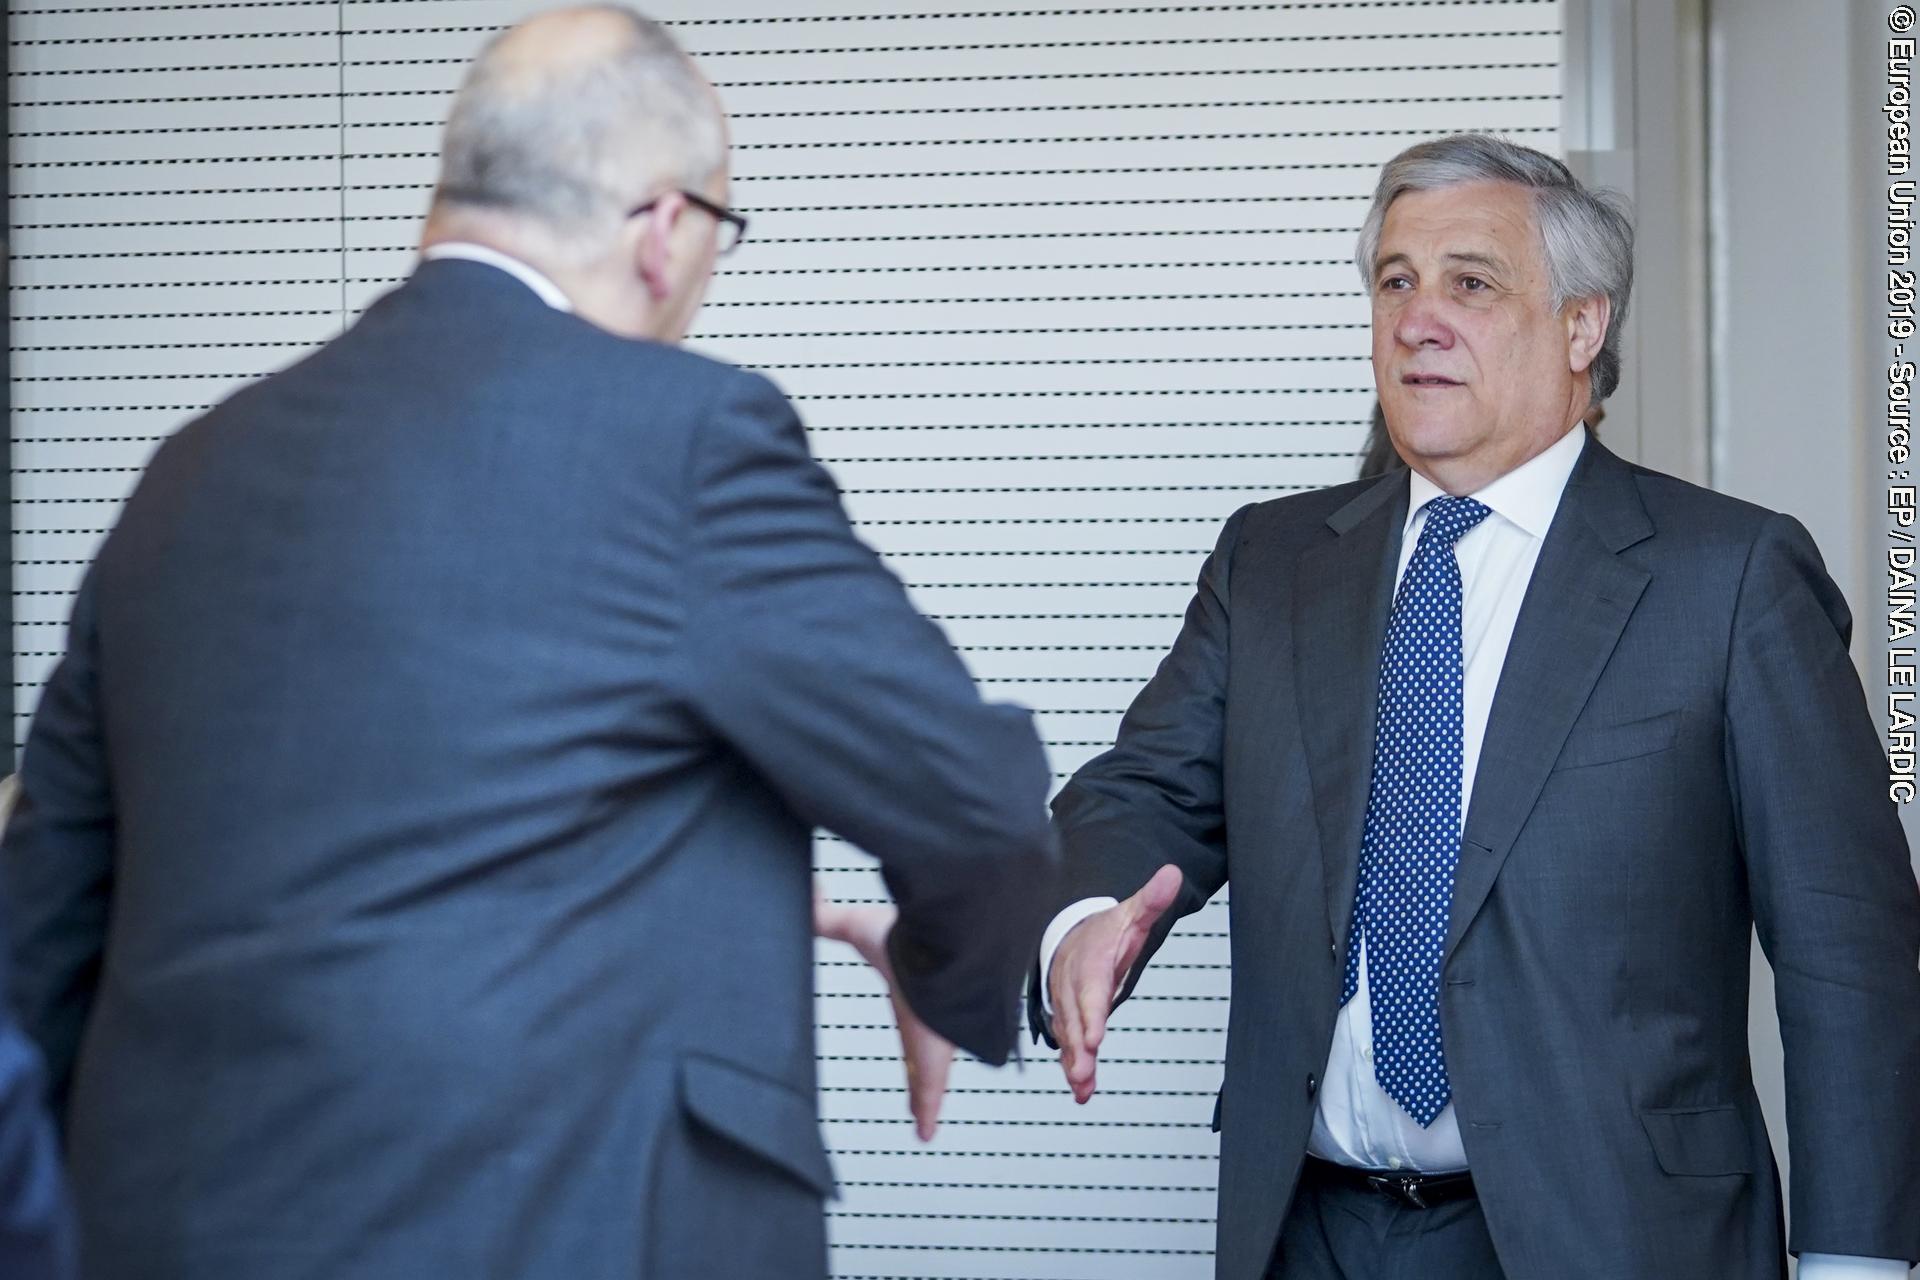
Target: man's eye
[
  {"x": 1395, "y": 282},
  {"x": 1473, "y": 284}
]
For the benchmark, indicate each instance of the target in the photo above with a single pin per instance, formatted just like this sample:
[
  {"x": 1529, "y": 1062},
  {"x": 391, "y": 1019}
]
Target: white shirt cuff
[
  {"x": 1834, "y": 1266},
  {"x": 1056, "y": 934}
]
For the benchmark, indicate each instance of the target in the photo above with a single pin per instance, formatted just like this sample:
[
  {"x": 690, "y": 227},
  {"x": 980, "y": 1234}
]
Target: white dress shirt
[
  {"x": 549, "y": 291},
  {"x": 1356, "y": 1123}
]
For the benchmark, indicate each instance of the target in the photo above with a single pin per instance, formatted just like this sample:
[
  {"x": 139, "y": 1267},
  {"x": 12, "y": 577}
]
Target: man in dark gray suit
[
  {"x": 1505, "y": 757},
  {"x": 412, "y": 875}
]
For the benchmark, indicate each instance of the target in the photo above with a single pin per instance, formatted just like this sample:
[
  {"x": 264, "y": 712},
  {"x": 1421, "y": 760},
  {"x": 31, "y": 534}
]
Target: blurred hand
[
  {"x": 928, "y": 1057},
  {"x": 1088, "y": 968}
]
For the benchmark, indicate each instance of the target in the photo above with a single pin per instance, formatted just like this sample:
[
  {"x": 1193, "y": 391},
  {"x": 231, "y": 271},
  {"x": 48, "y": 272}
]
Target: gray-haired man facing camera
[
  {"x": 412, "y": 873},
  {"x": 1505, "y": 756}
]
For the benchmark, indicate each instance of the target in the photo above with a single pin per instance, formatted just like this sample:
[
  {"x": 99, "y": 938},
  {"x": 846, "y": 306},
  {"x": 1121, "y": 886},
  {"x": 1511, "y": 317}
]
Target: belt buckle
[{"x": 1405, "y": 1189}]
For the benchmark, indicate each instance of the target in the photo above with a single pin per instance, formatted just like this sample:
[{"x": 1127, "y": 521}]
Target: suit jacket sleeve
[
  {"x": 1156, "y": 797},
  {"x": 58, "y": 857},
  {"x": 1835, "y": 902},
  {"x": 810, "y": 661}
]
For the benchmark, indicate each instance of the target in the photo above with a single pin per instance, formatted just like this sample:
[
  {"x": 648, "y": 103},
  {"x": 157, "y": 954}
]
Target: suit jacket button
[{"x": 1313, "y": 1085}]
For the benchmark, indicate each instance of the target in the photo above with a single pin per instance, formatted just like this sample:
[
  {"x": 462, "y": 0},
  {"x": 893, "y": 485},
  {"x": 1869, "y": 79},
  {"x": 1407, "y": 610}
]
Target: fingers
[
  {"x": 1080, "y": 1064},
  {"x": 1095, "y": 1001},
  {"x": 1066, "y": 1021},
  {"x": 927, "y": 1056},
  {"x": 1091, "y": 963},
  {"x": 929, "y": 1062},
  {"x": 1082, "y": 999}
]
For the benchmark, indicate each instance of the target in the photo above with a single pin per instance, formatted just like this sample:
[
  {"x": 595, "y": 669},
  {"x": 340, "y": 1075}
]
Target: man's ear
[
  {"x": 1586, "y": 320},
  {"x": 653, "y": 247}
]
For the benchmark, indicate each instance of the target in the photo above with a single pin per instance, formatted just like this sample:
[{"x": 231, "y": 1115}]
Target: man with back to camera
[
  {"x": 412, "y": 875},
  {"x": 1505, "y": 758}
]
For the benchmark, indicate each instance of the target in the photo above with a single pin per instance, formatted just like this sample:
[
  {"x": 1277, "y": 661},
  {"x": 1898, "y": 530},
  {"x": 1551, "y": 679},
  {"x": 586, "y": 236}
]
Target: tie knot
[{"x": 1449, "y": 518}]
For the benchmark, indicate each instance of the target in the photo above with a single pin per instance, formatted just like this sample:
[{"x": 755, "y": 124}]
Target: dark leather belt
[{"x": 1415, "y": 1190}]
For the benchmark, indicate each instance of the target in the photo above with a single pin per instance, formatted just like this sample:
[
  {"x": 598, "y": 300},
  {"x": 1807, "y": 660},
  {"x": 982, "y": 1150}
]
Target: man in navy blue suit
[{"x": 412, "y": 873}]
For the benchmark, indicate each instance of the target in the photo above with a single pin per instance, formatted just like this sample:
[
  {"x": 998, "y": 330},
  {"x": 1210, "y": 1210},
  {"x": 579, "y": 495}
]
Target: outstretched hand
[
  {"x": 1088, "y": 968},
  {"x": 928, "y": 1057}
]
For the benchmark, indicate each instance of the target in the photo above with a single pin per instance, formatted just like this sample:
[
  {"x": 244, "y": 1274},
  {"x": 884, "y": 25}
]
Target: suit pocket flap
[
  {"x": 1699, "y": 1141},
  {"x": 1603, "y": 744},
  {"x": 762, "y": 1115}
]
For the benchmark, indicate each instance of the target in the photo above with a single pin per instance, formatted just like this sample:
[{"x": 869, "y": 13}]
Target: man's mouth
[{"x": 1427, "y": 380}]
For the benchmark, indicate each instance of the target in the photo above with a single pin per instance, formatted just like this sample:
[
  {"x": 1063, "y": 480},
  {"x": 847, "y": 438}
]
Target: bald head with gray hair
[
  {"x": 1586, "y": 236},
  {"x": 569, "y": 124}
]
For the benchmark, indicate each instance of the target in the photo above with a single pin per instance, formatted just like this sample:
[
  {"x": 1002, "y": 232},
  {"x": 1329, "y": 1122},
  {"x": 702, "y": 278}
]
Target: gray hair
[
  {"x": 572, "y": 146},
  {"x": 1586, "y": 235}
]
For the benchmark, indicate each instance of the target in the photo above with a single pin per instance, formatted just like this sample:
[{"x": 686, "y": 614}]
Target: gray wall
[
  {"x": 1795, "y": 140},
  {"x": 1749, "y": 134}
]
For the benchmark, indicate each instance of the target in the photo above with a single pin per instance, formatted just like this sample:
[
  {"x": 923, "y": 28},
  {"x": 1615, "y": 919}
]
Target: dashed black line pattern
[{"x": 1024, "y": 606}]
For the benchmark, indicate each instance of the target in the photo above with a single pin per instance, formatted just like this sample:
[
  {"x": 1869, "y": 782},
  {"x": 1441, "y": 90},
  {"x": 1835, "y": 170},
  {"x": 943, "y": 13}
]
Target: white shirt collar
[
  {"x": 1526, "y": 496},
  {"x": 549, "y": 291}
]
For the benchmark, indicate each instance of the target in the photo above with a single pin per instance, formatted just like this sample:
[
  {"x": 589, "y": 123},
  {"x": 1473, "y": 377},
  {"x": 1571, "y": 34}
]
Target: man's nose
[{"x": 1420, "y": 323}]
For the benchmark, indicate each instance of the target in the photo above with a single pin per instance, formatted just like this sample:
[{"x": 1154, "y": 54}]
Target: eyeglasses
[{"x": 733, "y": 226}]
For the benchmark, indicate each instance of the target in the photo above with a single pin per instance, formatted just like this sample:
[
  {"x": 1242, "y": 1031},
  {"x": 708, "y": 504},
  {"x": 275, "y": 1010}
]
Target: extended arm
[
  {"x": 1143, "y": 823},
  {"x": 1835, "y": 902},
  {"x": 808, "y": 658}
]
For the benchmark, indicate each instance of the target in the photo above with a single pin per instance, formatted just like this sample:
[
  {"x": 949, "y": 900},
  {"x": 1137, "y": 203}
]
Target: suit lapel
[
  {"x": 1576, "y": 606},
  {"x": 1343, "y": 592}
]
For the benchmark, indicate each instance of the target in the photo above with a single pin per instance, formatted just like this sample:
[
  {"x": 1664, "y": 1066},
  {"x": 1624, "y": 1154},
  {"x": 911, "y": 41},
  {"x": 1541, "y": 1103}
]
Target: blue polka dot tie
[{"x": 1412, "y": 840}]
